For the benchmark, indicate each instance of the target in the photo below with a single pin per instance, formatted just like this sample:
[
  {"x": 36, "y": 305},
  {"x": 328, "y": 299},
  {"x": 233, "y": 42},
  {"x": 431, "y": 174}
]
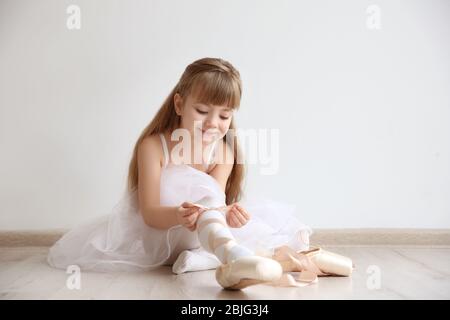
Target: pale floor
[{"x": 405, "y": 273}]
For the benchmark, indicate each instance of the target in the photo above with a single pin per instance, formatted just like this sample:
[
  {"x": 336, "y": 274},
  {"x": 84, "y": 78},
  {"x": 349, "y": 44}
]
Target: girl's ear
[{"x": 178, "y": 102}]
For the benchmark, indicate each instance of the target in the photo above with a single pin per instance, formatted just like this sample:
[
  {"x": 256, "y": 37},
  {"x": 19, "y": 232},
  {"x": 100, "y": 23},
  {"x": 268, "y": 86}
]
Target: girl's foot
[{"x": 194, "y": 260}]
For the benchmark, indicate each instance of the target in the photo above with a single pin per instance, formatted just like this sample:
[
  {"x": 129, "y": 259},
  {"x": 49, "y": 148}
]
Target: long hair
[{"x": 211, "y": 81}]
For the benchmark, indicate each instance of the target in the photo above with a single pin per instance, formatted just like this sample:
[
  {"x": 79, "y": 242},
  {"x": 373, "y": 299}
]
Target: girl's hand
[
  {"x": 237, "y": 216},
  {"x": 187, "y": 215}
]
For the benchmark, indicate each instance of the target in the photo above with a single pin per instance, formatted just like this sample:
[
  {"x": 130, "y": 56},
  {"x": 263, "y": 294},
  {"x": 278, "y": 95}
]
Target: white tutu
[{"x": 122, "y": 241}]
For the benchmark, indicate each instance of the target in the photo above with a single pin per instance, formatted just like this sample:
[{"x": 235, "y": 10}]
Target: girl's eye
[{"x": 206, "y": 112}]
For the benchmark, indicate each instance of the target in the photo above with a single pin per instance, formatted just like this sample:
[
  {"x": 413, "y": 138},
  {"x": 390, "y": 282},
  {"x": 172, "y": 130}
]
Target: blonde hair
[{"x": 211, "y": 81}]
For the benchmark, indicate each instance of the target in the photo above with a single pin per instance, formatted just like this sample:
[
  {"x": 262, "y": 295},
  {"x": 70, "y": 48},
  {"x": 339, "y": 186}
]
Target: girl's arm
[
  {"x": 160, "y": 217},
  {"x": 150, "y": 158}
]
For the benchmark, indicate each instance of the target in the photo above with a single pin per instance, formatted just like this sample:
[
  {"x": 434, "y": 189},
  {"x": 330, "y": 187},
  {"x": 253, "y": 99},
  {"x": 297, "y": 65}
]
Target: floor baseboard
[
  {"x": 30, "y": 238},
  {"x": 381, "y": 237},
  {"x": 320, "y": 237}
]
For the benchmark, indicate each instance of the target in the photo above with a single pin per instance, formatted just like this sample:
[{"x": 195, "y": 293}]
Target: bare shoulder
[
  {"x": 149, "y": 172},
  {"x": 150, "y": 149}
]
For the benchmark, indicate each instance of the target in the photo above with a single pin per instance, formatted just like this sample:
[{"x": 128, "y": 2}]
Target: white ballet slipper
[
  {"x": 247, "y": 271},
  {"x": 194, "y": 260}
]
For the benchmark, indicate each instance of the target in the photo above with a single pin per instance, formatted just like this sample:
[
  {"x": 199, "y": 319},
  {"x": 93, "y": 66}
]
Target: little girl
[{"x": 183, "y": 212}]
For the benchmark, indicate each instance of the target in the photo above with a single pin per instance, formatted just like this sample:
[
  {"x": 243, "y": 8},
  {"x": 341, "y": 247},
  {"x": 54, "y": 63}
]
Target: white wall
[{"x": 369, "y": 109}]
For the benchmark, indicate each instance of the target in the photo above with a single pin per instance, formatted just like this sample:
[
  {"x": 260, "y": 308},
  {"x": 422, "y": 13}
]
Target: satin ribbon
[{"x": 221, "y": 209}]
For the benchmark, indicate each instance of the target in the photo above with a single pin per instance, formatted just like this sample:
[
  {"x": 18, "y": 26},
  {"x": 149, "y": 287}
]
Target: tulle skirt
[{"x": 121, "y": 241}]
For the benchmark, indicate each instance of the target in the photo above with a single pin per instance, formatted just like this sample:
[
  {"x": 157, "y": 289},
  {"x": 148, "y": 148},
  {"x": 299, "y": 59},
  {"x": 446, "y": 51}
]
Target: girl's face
[{"x": 210, "y": 121}]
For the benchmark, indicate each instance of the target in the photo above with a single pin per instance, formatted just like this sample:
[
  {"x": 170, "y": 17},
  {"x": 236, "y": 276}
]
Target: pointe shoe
[
  {"x": 330, "y": 263},
  {"x": 248, "y": 271},
  {"x": 317, "y": 260}
]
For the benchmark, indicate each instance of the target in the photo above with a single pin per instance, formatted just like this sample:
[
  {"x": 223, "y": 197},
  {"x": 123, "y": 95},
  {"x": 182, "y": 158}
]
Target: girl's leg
[
  {"x": 216, "y": 238},
  {"x": 241, "y": 267},
  {"x": 187, "y": 255}
]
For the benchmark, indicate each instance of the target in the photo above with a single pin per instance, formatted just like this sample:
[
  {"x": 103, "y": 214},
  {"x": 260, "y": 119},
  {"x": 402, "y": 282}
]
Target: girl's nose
[{"x": 210, "y": 123}]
